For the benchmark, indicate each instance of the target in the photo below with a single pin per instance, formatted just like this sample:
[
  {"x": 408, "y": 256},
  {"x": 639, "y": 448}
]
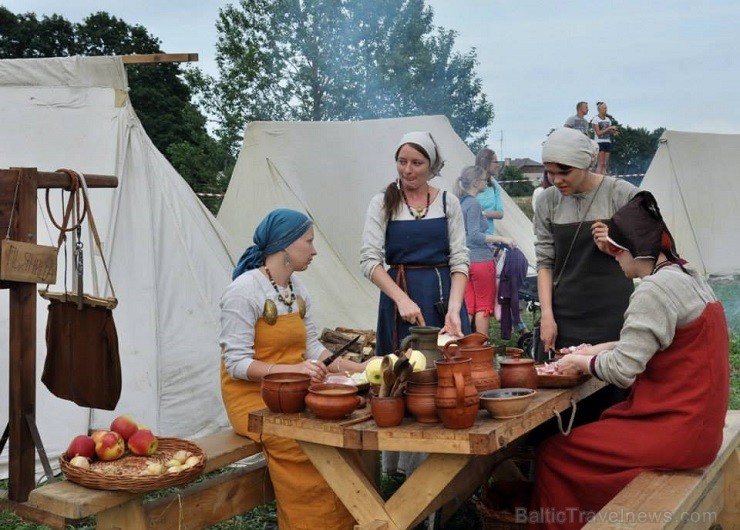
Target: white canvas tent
[
  {"x": 695, "y": 180},
  {"x": 330, "y": 170},
  {"x": 167, "y": 255}
]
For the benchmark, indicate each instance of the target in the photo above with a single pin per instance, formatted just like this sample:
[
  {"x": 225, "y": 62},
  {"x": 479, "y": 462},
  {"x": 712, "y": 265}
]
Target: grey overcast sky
[{"x": 657, "y": 63}]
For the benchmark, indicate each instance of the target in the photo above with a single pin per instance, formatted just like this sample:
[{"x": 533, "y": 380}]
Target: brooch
[
  {"x": 269, "y": 312},
  {"x": 301, "y": 306}
]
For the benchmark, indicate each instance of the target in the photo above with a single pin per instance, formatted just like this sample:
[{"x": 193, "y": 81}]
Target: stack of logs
[{"x": 364, "y": 348}]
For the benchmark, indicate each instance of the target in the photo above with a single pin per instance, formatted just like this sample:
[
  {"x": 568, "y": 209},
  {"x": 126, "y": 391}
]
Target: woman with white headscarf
[
  {"x": 583, "y": 293},
  {"x": 418, "y": 231}
]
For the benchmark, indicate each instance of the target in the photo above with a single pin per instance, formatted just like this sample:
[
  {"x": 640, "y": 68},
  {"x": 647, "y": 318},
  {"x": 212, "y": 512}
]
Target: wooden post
[{"x": 22, "y": 324}]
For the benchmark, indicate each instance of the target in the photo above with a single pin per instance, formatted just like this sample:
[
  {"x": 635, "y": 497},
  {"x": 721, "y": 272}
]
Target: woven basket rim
[{"x": 121, "y": 480}]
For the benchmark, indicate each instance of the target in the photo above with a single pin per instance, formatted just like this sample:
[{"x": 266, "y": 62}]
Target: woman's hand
[
  {"x": 313, "y": 368},
  {"x": 573, "y": 363},
  {"x": 599, "y": 232},
  {"x": 452, "y": 326},
  {"x": 410, "y": 312},
  {"x": 548, "y": 332}
]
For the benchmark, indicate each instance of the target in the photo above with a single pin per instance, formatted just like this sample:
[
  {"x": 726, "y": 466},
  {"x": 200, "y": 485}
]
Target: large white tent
[
  {"x": 330, "y": 170},
  {"x": 695, "y": 180},
  {"x": 167, "y": 255}
]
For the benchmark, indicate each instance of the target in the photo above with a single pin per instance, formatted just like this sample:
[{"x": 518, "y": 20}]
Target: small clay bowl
[
  {"x": 504, "y": 403},
  {"x": 285, "y": 392},
  {"x": 330, "y": 401},
  {"x": 388, "y": 411}
]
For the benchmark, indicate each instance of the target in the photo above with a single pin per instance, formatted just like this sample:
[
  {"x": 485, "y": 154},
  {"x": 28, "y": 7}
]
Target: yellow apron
[{"x": 304, "y": 499}]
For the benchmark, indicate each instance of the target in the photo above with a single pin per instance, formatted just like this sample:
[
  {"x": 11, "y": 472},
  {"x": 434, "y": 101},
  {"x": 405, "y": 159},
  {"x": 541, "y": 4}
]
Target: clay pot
[
  {"x": 451, "y": 348},
  {"x": 285, "y": 392},
  {"x": 420, "y": 401},
  {"x": 424, "y": 376},
  {"x": 482, "y": 370},
  {"x": 388, "y": 411},
  {"x": 456, "y": 397},
  {"x": 518, "y": 372},
  {"x": 510, "y": 351},
  {"x": 331, "y": 401},
  {"x": 424, "y": 339}
]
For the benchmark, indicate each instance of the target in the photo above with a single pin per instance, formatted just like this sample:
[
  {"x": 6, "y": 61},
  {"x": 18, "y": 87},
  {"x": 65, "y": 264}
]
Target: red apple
[
  {"x": 143, "y": 443},
  {"x": 81, "y": 446},
  {"x": 97, "y": 435},
  {"x": 110, "y": 446},
  {"x": 125, "y": 426}
]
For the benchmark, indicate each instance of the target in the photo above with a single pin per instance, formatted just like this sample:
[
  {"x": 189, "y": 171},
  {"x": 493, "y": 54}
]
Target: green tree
[
  {"x": 633, "y": 150},
  {"x": 157, "y": 91},
  {"x": 516, "y": 184},
  {"x": 339, "y": 60}
]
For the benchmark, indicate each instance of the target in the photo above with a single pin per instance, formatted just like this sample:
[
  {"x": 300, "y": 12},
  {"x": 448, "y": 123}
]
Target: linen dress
[
  {"x": 304, "y": 499},
  {"x": 673, "y": 419},
  {"x": 422, "y": 247}
]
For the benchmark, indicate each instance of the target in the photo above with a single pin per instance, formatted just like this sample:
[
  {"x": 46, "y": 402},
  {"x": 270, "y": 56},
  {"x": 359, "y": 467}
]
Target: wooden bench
[
  {"x": 701, "y": 499},
  {"x": 195, "y": 506}
]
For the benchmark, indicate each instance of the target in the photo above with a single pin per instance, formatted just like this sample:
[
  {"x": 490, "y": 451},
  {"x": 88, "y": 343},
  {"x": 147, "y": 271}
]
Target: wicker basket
[
  {"x": 496, "y": 519},
  {"x": 124, "y": 474}
]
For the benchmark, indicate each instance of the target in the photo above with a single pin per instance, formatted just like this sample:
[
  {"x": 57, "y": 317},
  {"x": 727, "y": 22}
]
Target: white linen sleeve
[
  {"x": 372, "y": 253},
  {"x": 239, "y": 314},
  {"x": 544, "y": 244}
]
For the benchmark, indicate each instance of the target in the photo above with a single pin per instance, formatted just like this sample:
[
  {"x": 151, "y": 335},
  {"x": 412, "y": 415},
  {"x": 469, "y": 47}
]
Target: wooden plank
[
  {"x": 27, "y": 262},
  {"x": 307, "y": 427},
  {"x": 225, "y": 448},
  {"x": 207, "y": 503},
  {"x": 729, "y": 516},
  {"x": 160, "y": 58},
  {"x": 128, "y": 516},
  {"x": 345, "y": 474},
  {"x": 31, "y": 513}
]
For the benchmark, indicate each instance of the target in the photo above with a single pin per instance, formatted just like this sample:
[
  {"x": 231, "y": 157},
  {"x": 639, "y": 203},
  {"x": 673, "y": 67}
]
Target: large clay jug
[
  {"x": 482, "y": 371},
  {"x": 456, "y": 397},
  {"x": 450, "y": 349},
  {"x": 424, "y": 339}
]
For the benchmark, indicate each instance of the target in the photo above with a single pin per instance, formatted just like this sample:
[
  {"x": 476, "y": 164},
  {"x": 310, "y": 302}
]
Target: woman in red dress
[{"x": 673, "y": 351}]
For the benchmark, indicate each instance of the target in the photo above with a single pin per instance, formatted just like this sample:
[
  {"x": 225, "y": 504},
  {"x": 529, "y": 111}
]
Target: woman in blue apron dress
[{"x": 418, "y": 231}]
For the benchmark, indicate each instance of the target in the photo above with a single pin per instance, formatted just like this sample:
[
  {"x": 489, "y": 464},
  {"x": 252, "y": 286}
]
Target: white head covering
[
  {"x": 424, "y": 140},
  {"x": 570, "y": 147}
]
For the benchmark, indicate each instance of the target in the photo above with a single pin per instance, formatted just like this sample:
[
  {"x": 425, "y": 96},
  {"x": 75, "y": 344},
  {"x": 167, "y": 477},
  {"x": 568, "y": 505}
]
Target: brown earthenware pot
[
  {"x": 285, "y": 392},
  {"x": 331, "y": 401},
  {"x": 518, "y": 372},
  {"x": 388, "y": 411},
  {"x": 420, "y": 401}
]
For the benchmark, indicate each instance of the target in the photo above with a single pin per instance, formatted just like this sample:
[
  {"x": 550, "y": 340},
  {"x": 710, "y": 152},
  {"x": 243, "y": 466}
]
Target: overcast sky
[{"x": 666, "y": 63}]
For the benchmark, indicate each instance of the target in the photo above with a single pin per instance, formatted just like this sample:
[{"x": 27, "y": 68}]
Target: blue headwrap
[{"x": 276, "y": 231}]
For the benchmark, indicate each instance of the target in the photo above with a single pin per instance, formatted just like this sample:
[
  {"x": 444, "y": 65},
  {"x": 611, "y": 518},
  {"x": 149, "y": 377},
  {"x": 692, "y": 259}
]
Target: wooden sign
[{"x": 26, "y": 262}]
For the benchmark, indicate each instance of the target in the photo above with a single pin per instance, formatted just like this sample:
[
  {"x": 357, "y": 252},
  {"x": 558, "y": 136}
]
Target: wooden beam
[{"x": 160, "y": 58}]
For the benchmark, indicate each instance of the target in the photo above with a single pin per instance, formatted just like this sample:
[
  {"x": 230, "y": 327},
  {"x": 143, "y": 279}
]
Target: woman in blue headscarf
[{"x": 266, "y": 328}]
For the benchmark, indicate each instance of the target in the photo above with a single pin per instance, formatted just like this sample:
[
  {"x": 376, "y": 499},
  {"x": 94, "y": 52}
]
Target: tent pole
[{"x": 22, "y": 326}]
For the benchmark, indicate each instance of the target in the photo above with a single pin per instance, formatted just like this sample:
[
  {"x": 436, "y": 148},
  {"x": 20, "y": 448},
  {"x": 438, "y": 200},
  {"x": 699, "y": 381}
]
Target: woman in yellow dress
[{"x": 266, "y": 327}]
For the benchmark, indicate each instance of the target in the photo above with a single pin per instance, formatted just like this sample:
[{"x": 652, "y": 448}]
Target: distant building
[{"x": 532, "y": 169}]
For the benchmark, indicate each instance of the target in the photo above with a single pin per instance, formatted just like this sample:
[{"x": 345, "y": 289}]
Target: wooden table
[{"x": 459, "y": 460}]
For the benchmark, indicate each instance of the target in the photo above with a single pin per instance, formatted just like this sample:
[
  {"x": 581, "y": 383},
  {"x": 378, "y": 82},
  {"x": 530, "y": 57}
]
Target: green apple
[
  {"x": 373, "y": 371},
  {"x": 418, "y": 359},
  {"x": 393, "y": 357}
]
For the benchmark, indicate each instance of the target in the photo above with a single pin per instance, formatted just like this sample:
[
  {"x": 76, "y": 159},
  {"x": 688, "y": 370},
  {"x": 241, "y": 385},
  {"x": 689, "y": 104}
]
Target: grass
[{"x": 465, "y": 518}]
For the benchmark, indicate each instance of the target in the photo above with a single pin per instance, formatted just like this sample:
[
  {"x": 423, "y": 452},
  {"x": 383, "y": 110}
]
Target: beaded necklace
[
  {"x": 291, "y": 297},
  {"x": 417, "y": 213}
]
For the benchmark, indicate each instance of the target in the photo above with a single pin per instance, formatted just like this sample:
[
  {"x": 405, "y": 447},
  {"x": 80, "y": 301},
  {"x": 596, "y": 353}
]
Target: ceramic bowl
[
  {"x": 506, "y": 402},
  {"x": 330, "y": 401},
  {"x": 285, "y": 392},
  {"x": 424, "y": 376}
]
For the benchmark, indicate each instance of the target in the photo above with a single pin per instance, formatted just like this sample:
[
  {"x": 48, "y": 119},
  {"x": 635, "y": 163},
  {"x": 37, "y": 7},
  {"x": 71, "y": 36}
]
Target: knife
[{"x": 340, "y": 351}]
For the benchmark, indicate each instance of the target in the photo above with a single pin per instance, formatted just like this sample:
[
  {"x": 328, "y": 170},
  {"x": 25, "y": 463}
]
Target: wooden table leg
[{"x": 417, "y": 497}]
